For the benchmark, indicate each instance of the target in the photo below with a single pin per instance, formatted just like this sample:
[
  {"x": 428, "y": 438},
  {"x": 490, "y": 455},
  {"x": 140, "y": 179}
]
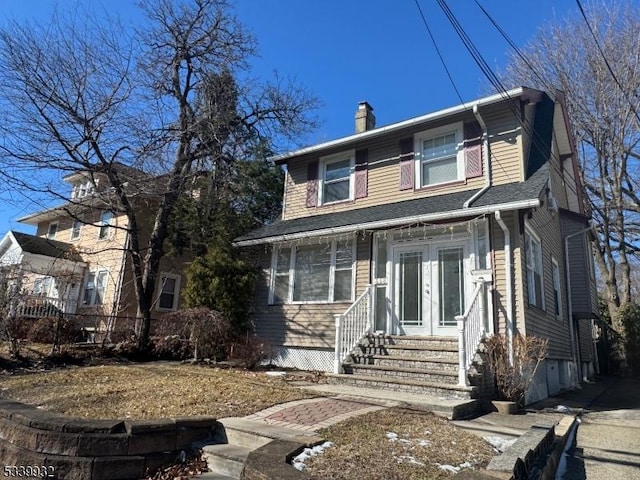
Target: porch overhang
[{"x": 391, "y": 222}]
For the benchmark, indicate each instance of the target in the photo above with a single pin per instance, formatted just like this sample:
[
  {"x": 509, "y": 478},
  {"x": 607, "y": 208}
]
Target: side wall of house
[
  {"x": 303, "y": 332},
  {"x": 384, "y": 167}
]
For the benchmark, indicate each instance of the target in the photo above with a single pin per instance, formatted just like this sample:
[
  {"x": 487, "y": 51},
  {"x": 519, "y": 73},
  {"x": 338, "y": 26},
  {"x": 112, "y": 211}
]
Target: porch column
[
  {"x": 337, "y": 361},
  {"x": 462, "y": 352}
]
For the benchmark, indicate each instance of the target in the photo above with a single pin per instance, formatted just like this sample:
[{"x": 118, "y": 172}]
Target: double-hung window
[
  {"x": 337, "y": 173},
  {"x": 75, "y": 230},
  {"x": 106, "y": 217},
  {"x": 535, "y": 281},
  {"x": 52, "y": 230},
  {"x": 441, "y": 156},
  {"x": 169, "y": 289},
  {"x": 95, "y": 288},
  {"x": 313, "y": 273}
]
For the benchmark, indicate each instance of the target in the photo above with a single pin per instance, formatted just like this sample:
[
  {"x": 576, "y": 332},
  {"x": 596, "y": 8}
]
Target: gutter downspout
[
  {"x": 486, "y": 163},
  {"x": 575, "y": 351},
  {"x": 509, "y": 279}
]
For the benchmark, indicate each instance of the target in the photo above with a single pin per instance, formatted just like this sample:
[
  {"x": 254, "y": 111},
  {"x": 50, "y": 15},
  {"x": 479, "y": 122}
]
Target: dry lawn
[
  {"x": 145, "y": 391},
  {"x": 363, "y": 447}
]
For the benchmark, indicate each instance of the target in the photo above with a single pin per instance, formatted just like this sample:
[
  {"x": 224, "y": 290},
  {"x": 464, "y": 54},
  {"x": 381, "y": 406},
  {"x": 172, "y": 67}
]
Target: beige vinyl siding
[
  {"x": 500, "y": 284},
  {"x": 303, "y": 325},
  {"x": 384, "y": 169},
  {"x": 543, "y": 322}
]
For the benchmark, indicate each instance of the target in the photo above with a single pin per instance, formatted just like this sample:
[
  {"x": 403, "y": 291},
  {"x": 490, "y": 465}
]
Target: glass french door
[{"x": 429, "y": 288}]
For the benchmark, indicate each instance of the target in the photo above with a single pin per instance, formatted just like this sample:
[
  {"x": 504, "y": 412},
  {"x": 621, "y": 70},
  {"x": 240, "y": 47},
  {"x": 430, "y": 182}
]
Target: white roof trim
[
  {"x": 395, "y": 222},
  {"x": 403, "y": 124}
]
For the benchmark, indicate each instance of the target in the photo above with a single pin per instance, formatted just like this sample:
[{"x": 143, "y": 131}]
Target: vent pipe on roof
[{"x": 365, "y": 119}]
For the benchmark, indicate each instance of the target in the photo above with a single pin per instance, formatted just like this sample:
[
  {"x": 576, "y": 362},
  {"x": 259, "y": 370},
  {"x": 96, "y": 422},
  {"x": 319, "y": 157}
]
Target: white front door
[{"x": 429, "y": 287}]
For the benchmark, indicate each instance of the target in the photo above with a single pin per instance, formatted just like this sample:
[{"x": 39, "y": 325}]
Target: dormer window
[
  {"x": 337, "y": 172},
  {"x": 81, "y": 190}
]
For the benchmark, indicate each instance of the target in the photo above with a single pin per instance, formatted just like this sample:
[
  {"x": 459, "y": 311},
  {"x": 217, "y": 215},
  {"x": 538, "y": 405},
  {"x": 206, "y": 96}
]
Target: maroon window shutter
[
  {"x": 473, "y": 150},
  {"x": 312, "y": 184},
  {"x": 406, "y": 164},
  {"x": 362, "y": 173}
]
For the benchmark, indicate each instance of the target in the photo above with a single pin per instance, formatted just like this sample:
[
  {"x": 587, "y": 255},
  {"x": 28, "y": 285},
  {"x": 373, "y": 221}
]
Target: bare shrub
[
  {"x": 55, "y": 331},
  {"x": 251, "y": 352},
  {"x": 208, "y": 331},
  {"x": 514, "y": 377}
]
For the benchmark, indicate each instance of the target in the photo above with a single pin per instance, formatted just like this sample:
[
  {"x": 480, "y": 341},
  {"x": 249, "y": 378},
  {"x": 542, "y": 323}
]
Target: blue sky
[{"x": 345, "y": 51}]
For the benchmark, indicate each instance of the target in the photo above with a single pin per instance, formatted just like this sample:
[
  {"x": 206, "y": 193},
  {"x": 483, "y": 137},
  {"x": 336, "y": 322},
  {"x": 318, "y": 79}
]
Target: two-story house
[
  {"x": 430, "y": 234},
  {"x": 78, "y": 262}
]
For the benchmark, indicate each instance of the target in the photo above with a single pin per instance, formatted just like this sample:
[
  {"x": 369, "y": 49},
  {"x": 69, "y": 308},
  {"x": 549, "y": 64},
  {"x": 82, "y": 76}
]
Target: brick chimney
[{"x": 365, "y": 119}]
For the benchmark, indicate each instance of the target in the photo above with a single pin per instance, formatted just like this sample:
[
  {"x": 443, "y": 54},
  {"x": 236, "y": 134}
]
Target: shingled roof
[
  {"x": 46, "y": 247},
  {"x": 505, "y": 197}
]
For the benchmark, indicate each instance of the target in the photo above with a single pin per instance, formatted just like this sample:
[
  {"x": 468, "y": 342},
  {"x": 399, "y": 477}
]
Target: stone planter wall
[{"x": 79, "y": 449}]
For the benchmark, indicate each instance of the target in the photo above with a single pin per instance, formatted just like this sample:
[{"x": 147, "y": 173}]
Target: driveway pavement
[{"x": 607, "y": 444}]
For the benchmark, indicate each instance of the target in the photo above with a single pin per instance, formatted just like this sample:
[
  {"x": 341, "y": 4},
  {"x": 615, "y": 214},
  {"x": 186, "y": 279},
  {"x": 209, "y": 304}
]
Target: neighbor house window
[
  {"x": 42, "y": 286},
  {"x": 440, "y": 158},
  {"x": 337, "y": 177},
  {"x": 535, "y": 284},
  {"x": 169, "y": 289},
  {"x": 95, "y": 288},
  {"x": 557, "y": 294},
  {"x": 52, "y": 230},
  {"x": 105, "y": 224},
  {"x": 75, "y": 230},
  {"x": 313, "y": 273}
]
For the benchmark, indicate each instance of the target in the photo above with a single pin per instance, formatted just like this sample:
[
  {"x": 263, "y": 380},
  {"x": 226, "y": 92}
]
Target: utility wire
[
  {"x": 433, "y": 40},
  {"x": 604, "y": 57}
]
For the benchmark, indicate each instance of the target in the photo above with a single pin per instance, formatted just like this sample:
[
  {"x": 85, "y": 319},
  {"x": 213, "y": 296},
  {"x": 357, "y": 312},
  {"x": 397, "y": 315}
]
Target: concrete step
[
  {"x": 213, "y": 476},
  {"x": 413, "y": 386},
  {"x": 446, "y": 351},
  {"x": 226, "y": 459},
  {"x": 240, "y": 437},
  {"x": 429, "y": 363},
  {"x": 415, "y": 340},
  {"x": 406, "y": 373}
]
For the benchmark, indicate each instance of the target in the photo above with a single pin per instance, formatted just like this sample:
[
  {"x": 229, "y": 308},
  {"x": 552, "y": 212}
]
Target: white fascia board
[
  {"x": 395, "y": 222},
  {"x": 511, "y": 94}
]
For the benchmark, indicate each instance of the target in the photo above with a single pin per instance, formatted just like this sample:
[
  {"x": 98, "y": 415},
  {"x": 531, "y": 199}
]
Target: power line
[
  {"x": 433, "y": 40},
  {"x": 604, "y": 57}
]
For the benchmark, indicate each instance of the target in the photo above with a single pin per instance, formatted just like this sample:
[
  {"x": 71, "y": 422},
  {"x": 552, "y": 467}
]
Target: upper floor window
[
  {"x": 105, "y": 224},
  {"x": 440, "y": 157},
  {"x": 81, "y": 190},
  {"x": 75, "y": 230},
  {"x": 337, "y": 172},
  {"x": 169, "y": 289},
  {"x": 52, "y": 230},
  {"x": 533, "y": 254}
]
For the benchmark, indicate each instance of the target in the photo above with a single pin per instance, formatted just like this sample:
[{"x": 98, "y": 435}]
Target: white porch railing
[
  {"x": 38, "y": 307},
  {"x": 352, "y": 326},
  {"x": 473, "y": 326}
]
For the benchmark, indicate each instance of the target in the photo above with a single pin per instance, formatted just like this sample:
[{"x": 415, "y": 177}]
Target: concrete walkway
[{"x": 607, "y": 444}]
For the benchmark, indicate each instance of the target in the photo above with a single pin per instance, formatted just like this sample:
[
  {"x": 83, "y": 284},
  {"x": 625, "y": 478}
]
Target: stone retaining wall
[{"x": 79, "y": 449}]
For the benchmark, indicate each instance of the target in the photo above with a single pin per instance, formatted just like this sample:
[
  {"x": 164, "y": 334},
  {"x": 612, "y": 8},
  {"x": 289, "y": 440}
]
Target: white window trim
[
  {"x": 109, "y": 226},
  {"x": 76, "y": 237},
  {"x": 420, "y": 137},
  {"x": 176, "y": 292},
  {"x": 529, "y": 231},
  {"x": 92, "y": 300},
  {"x": 332, "y": 268},
  {"x": 51, "y": 237},
  {"x": 324, "y": 161},
  {"x": 555, "y": 267}
]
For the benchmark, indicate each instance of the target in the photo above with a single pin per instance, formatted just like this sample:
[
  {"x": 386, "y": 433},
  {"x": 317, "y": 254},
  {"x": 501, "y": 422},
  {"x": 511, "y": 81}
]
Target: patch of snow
[
  {"x": 499, "y": 443},
  {"x": 562, "y": 409},
  {"x": 424, "y": 443},
  {"x": 275, "y": 374},
  {"x": 404, "y": 440},
  {"x": 465, "y": 465},
  {"x": 299, "y": 460},
  {"x": 448, "y": 468},
  {"x": 408, "y": 459},
  {"x": 392, "y": 436}
]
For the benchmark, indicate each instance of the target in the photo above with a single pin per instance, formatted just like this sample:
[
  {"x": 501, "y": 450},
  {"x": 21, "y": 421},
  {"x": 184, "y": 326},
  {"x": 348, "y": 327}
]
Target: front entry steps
[{"x": 416, "y": 364}]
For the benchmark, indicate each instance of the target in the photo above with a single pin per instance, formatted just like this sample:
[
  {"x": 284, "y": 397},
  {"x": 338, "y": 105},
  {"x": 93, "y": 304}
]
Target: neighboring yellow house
[
  {"x": 432, "y": 232},
  {"x": 77, "y": 261}
]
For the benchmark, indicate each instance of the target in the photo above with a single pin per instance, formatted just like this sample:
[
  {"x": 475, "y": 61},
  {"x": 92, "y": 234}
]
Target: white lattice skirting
[{"x": 303, "y": 358}]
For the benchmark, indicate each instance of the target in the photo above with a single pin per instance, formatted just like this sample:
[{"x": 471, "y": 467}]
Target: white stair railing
[
  {"x": 472, "y": 328},
  {"x": 352, "y": 326},
  {"x": 39, "y": 307}
]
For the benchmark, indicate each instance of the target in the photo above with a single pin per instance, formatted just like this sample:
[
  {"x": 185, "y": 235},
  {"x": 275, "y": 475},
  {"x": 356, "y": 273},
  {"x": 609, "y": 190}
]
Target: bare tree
[
  {"x": 81, "y": 94},
  {"x": 604, "y": 110}
]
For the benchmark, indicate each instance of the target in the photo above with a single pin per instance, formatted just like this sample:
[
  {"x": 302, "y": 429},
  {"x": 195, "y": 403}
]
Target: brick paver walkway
[{"x": 313, "y": 414}]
